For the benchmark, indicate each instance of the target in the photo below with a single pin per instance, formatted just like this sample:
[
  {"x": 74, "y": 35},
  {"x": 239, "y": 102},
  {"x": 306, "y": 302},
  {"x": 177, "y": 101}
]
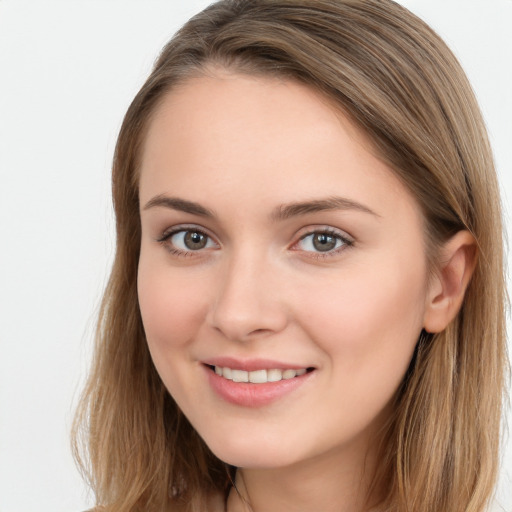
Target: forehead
[
  {"x": 260, "y": 140},
  {"x": 227, "y": 106}
]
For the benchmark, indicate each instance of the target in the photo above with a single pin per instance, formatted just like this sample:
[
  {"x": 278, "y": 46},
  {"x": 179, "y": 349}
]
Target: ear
[{"x": 446, "y": 291}]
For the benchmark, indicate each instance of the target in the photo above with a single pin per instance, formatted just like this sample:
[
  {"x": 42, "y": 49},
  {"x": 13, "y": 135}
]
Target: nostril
[{"x": 259, "y": 331}]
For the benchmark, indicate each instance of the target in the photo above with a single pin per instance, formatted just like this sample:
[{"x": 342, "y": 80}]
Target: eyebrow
[
  {"x": 280, "y": 213},
  {"x": 182, "y": 205},
  {"x": 286, "y": 211}
]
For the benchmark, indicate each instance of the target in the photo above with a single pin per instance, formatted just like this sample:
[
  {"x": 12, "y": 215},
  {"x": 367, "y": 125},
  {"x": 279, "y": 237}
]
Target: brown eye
[
  {"x": 324, "y": 242},
  {"x": 195, "y": 240},
  {"x": 186, "y": 240}
]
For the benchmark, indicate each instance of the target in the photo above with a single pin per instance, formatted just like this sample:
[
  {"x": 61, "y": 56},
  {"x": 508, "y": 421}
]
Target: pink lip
[
  {"x": 246, "y": 394},
  {"x": 251, "y": 365}
]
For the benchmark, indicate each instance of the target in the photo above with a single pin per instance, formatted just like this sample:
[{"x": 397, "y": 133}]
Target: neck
[{"x": 333, "y": 482}]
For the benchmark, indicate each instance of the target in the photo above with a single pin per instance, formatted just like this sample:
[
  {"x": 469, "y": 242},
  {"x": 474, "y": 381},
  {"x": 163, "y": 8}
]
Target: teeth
[
  {"x": 240, "y": 376},
  {"x": 274, "y": 375},
  {"x": 258, "y": 376}
]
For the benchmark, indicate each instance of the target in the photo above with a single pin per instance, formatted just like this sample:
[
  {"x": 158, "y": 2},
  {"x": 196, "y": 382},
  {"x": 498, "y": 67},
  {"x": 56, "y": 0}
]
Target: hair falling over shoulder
[{"x": 397, "y": 80}]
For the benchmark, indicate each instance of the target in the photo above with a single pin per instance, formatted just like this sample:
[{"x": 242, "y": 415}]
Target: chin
[{"x": 249, "y": 452}]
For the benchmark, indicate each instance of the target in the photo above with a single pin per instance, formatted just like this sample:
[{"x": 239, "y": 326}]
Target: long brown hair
[{"x": 402, "y": 86}]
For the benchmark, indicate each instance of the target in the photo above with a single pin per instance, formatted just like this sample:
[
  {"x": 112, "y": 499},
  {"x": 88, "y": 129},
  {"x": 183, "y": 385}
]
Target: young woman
[{"x": 306, "y": 309}]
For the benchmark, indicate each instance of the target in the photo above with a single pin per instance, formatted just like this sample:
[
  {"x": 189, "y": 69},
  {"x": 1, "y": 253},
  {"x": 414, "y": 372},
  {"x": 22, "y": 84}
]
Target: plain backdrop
[{"x": 68, "y": 71}]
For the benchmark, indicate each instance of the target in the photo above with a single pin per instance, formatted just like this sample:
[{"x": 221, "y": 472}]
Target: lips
[
  {"x": 250, "y": 365},
  {"x": 254, "y": 383}
]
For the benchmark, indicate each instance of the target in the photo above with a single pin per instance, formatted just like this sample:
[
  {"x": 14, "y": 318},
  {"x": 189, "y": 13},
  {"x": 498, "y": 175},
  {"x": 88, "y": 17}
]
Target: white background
[{"x": 68, "y": 71}]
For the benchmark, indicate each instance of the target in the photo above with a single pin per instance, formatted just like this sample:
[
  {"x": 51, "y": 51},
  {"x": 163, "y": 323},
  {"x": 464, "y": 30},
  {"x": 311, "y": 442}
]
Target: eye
[
  {"x": 322, "y": 242},
  {"x": 187, "y": 240}
]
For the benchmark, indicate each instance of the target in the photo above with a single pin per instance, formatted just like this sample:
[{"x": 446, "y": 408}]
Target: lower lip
[{"x": 247, "y": 394}]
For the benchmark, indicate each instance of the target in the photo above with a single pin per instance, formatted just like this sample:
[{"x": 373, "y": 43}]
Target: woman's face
[{"x": 273, "y": 239}]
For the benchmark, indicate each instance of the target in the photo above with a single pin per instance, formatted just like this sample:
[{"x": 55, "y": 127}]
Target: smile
[
  {"x": 255, "y": 387},
  {"x": 258, "y": 376}
]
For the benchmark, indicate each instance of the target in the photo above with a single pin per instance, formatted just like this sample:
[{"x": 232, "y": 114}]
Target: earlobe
[{"x": 457, "y": 261}]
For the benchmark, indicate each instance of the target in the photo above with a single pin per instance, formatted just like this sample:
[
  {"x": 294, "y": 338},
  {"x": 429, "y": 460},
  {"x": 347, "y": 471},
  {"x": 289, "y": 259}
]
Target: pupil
[
  {"x": 324, "y": 242},
  {"x": 195, "y": 240}
]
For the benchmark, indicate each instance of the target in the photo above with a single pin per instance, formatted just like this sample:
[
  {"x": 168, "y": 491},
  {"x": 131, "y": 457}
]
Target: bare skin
[{"x": 271, "y": 231}]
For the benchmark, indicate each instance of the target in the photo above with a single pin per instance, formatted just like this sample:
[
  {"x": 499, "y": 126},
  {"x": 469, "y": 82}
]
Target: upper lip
[{"x": 252, "y": 364}]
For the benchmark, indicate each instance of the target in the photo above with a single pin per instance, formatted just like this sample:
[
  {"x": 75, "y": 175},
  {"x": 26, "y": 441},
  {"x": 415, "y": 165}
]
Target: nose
[{"x": 248, "y": 302}]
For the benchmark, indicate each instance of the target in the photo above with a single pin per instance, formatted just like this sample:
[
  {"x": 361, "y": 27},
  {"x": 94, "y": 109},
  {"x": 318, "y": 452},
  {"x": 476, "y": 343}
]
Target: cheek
[
  {"x": 171, "y": 305},
  {"x": 368, "y": 325}
]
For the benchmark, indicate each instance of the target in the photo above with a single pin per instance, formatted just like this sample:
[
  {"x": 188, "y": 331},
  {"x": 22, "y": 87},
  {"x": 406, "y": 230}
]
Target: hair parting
[{"x": 397, "y": 80}]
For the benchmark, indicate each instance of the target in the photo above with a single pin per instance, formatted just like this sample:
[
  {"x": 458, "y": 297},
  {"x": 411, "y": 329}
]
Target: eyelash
[
  {"x": 167, "y": 235},
  {"x": 345, "y": 241}
]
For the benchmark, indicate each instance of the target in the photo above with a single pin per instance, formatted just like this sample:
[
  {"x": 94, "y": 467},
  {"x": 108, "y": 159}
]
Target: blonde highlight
[{"x": 404, "y": 88}]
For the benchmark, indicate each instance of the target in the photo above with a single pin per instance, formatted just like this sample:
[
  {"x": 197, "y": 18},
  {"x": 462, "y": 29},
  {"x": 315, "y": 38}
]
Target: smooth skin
[{"x": 231, "y": 266}]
